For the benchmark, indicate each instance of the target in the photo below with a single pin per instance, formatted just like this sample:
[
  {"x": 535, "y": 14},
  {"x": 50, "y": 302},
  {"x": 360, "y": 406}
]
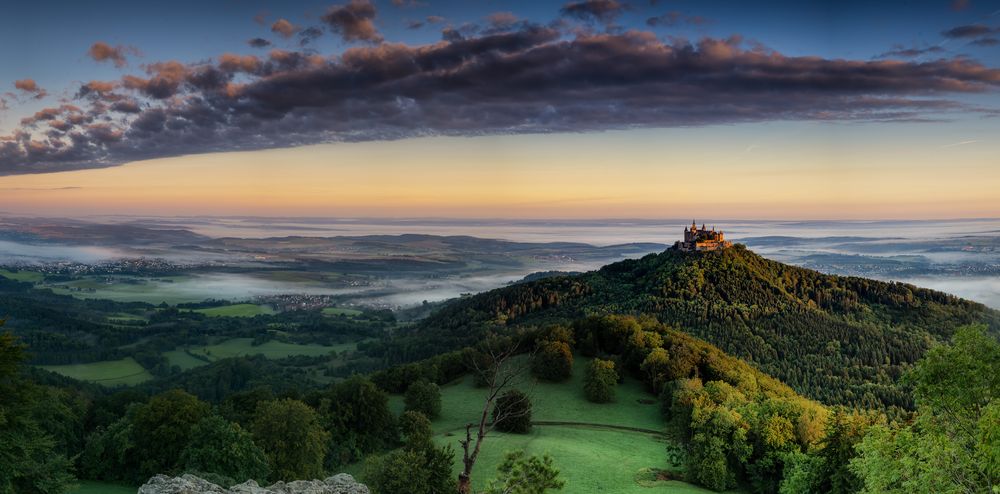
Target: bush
[
  {"x": 553, "y": 362},
  {"x": 512, "y": 412},
  {"x": 600, "y": 380},
  {"x": 424, "y": 397}
]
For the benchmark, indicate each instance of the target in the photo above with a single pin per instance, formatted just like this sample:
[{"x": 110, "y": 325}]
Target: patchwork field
[
  {"x": 599, "y": 448},
  {"x": 124, "y": 372}
]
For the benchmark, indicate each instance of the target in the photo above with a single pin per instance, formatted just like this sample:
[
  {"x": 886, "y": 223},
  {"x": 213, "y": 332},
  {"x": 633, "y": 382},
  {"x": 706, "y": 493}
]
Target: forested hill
[{"x": 841, "y": 340}]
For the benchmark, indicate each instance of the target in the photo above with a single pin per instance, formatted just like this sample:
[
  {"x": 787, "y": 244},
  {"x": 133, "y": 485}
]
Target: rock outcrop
[{"x": 191, "y": 484}]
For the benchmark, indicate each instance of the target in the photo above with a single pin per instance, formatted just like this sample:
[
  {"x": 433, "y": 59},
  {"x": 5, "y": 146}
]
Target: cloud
[
  {"x": 899, "y": 51},
  {"x": 258, "y": 43},
  {"x": 309, "y": 34},
  {"x": 675, "y": 18},
  {"x": 531, "y": 79},
  {"x": 284, "y": 28},
  {"x": 354, "y": 21},
  {"x": 605, "y": 11},
  {"x": 986, "y": 42},
  {"x": 969, "y": 31},
  {"x": 408, "y": 3},
  {"x": 31, "y": 88},
  {"x": 103, "y": 52},
  {"x": 959, "y": 5}
]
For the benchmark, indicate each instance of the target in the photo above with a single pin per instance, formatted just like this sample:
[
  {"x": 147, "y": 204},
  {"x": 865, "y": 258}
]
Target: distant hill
[{"x": 841, "y": 340}]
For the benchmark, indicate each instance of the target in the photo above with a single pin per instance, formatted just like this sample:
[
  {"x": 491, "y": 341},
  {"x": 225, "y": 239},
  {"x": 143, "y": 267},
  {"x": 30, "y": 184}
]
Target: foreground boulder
[{"x": 191, "y": 484}]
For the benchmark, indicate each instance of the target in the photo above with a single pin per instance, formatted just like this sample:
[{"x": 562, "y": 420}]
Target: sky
[{"x": 564, "y": 109}]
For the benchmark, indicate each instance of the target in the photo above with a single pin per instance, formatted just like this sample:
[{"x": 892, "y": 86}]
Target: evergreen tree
[{"x": 29, "y": 462}]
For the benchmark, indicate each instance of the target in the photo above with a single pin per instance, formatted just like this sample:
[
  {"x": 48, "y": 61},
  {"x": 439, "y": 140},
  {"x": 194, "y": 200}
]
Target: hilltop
[{"x": 841, "y": 340}]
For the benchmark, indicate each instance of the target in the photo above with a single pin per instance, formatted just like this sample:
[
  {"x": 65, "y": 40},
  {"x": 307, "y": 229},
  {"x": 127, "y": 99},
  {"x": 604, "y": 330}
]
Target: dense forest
[
  {"x": 740, "y": 427},
  {"x": 890, "y": 388},
  {"x": 839, "y": 340}
]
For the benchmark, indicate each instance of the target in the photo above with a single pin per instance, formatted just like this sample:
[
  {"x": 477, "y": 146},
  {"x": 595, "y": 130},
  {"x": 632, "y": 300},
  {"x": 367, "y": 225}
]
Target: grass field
[
  {"x": 126, "y": 372},
  {"x": 591, "y": 446},
  {"x": 338, "y": 311},
  {"x": 238, "y": 347},
  {"x": 94, "y": 487},
  {"x": 29, "y": 276},
  {"x": 237, "y": 310}
]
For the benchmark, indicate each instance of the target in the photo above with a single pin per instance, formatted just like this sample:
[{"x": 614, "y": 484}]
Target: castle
[{"x": 702, "y": 239}]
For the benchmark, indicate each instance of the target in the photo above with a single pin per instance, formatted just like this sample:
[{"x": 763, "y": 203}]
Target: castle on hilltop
[{"x": 702, "y": 239}]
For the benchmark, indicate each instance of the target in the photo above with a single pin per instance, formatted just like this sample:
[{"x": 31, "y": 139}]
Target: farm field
[
  {"x": 124, "y": 372},
  {"x": 583, "y": 438}
]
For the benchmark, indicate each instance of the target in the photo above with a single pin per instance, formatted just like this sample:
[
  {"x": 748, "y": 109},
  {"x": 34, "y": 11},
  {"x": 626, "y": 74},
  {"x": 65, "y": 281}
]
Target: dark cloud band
[{"x": 529, "y": 79}]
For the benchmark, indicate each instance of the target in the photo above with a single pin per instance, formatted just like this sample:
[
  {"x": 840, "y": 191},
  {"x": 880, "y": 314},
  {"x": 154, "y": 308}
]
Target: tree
[
  {"x": 599, "y": 381},
  {"x": 512, "y": 412},
  {"x": 224, "y": 448},
  {"x": 953, "y": 444},
  {"x": 357, "y": 415},
  {"x": 163, "y": 427},
  {"x": 424, "y": 397},
  {"x": 553, "y": 361},
  {"x": 29, "y": 462},
  {"x": 493, "y": 366},
  {"x": 521, "y": 474},
  {"x": 656, "y": 366},
  {"x": 292, "y": 437},
  {"x": 417, "y": 468}
]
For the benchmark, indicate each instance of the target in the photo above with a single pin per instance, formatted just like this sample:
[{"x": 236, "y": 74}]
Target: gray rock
[{"x": 190, "y": 484}]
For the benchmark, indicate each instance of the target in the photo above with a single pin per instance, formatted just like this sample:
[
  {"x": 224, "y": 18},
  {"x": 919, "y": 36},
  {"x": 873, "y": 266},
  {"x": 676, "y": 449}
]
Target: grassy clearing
[
  {"x": 126, "y": 372},
  {"x": 22, "y": 275},
  {"x": 170, "y": 289},
  {"x": 341, "y": 311},
  {"x": 238, "y": 347},
  {"x": 591, "y": 446},
  {"x": 184, "y": 360},
  {"x": 237, "y": 310},
  {"x": 95, "y": 487}
]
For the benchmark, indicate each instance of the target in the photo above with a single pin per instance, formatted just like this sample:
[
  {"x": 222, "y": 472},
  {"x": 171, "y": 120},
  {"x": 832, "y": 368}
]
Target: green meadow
[
  {"x": 29, "y": 276},
  {"x": 617, "y": 447},
  {"x": 124, "y": 372}
]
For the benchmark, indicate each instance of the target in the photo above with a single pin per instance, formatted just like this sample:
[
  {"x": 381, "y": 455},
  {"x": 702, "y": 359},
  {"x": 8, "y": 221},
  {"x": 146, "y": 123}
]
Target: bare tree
[{"x": 500, "y": 372}]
